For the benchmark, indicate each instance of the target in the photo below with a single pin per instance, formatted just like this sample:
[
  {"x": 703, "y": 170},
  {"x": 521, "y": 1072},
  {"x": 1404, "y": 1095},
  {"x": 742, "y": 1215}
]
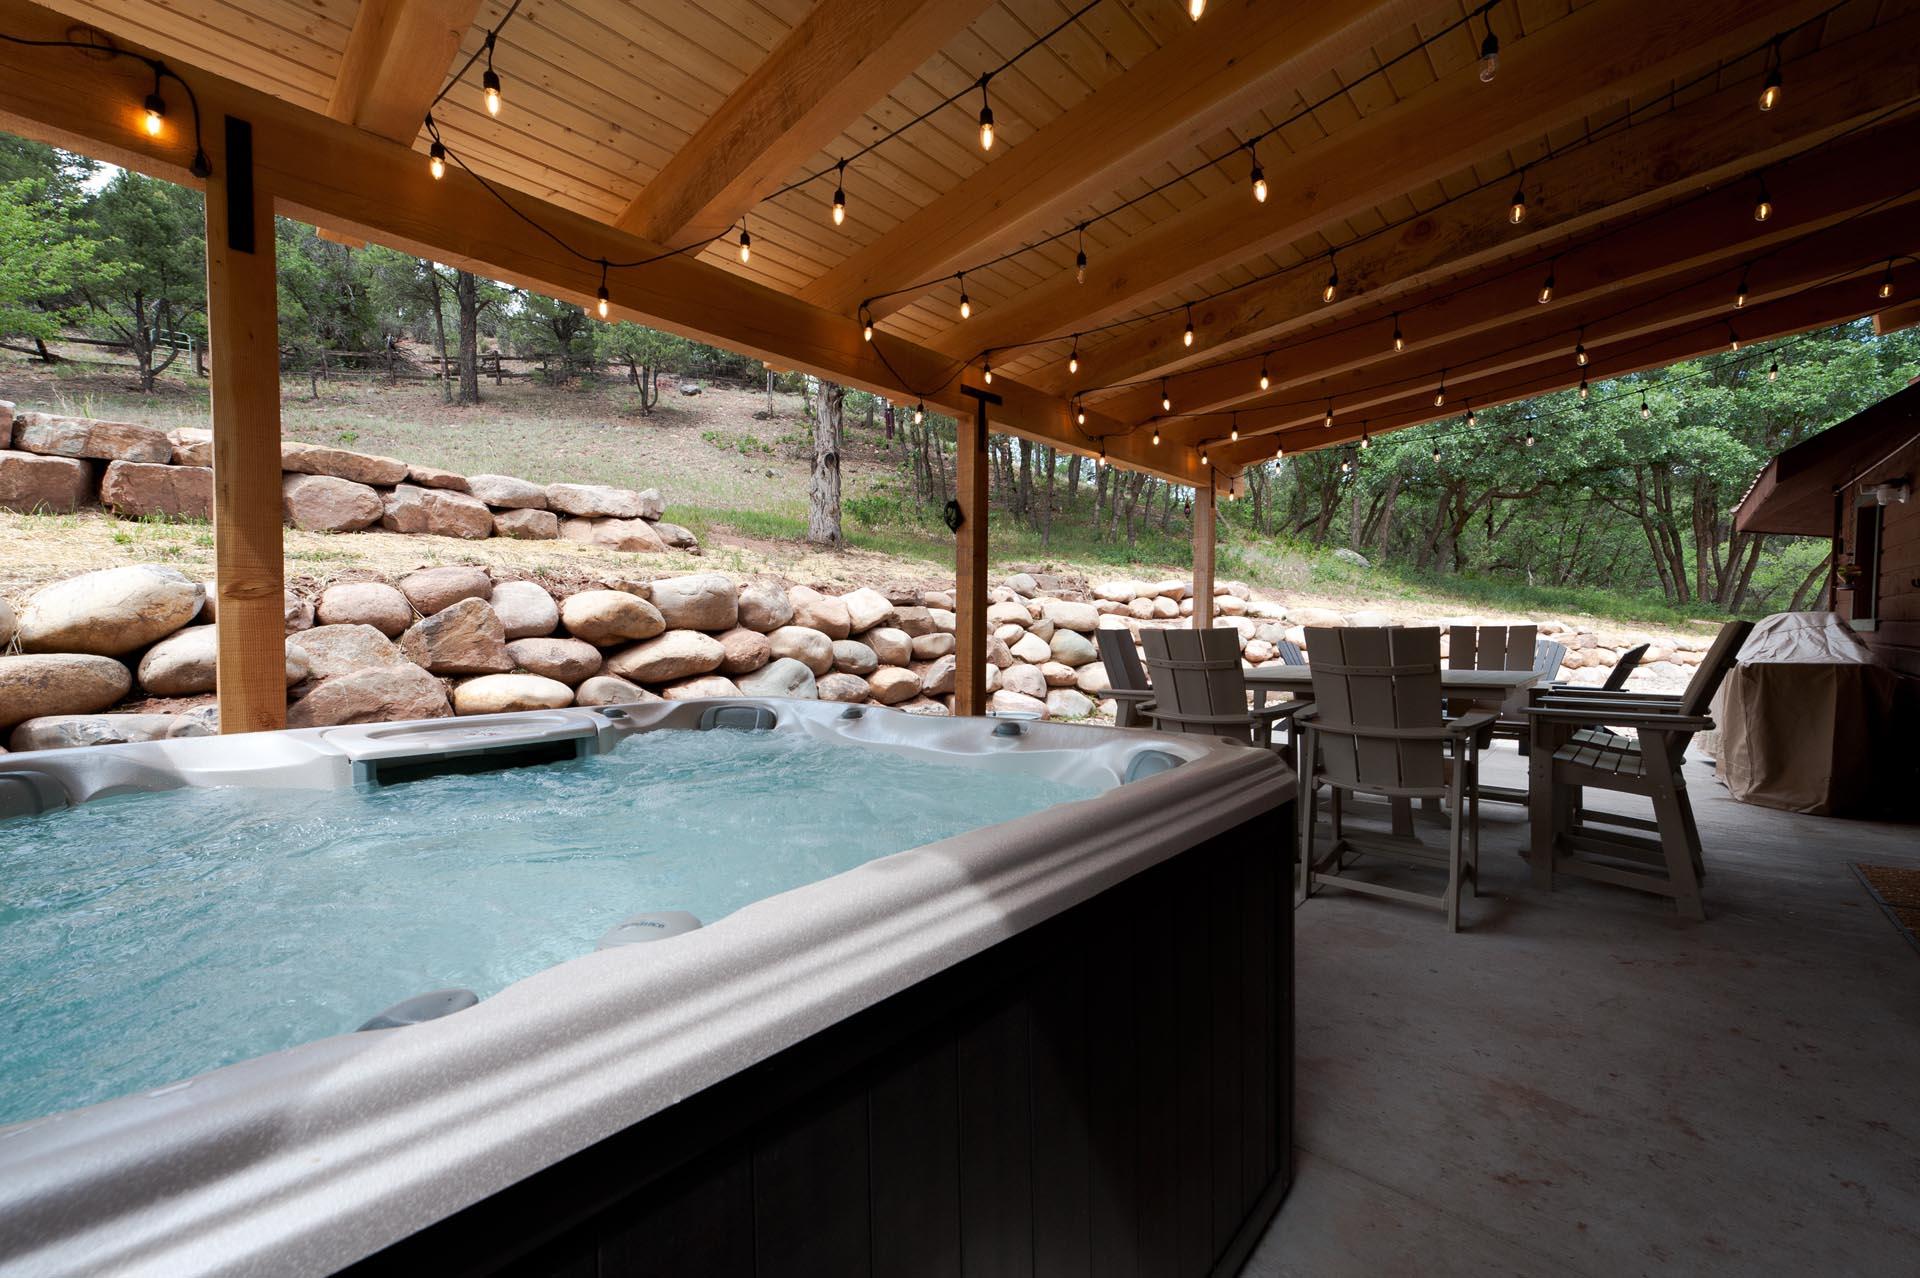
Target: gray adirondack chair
[
  {"x": 1126, "y": 678},
  {"x": 1199, "y": 686},
  {"x": 1376, "y": 726},
  {"x": 1578, "y": 746}
]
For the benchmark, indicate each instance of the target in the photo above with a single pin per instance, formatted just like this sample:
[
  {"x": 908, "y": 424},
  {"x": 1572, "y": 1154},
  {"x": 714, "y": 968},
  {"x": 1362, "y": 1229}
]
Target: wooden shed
[{"x": 1854, "y": 482}]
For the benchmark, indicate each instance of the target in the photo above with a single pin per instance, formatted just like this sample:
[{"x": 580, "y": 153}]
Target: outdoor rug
[{"x": 1897, "y": 890}]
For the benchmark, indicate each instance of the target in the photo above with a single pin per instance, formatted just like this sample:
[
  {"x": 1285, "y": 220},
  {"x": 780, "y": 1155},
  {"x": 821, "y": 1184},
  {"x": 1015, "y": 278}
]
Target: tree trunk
[
  {"x": 467, "y": 292},
  {"x": 823, "y": 498},
  {"x": 1073, "y": 480},
  {"x": 439, "y": 328},
  {"x": 1815, "y": 575},
  {"x": 1046, "y": 496}
]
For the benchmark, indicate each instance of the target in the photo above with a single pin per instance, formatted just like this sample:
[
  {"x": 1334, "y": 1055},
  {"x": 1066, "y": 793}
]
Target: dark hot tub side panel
[{"x": 1107, "y": 1093}]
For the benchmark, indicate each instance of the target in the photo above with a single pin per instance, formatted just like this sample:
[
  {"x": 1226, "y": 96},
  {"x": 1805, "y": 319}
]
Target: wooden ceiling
[{"x": 1632, "y": 124}]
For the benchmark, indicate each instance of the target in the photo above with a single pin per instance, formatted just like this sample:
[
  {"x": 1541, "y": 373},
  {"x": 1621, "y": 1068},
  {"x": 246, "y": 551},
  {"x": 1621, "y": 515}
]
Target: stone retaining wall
[
  {"x": 129, "y": 654},
  {"x": 59, "y": 464}
]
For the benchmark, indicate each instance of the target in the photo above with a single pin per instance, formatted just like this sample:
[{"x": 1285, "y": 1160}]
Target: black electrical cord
[{"x": 201, "y": 166}]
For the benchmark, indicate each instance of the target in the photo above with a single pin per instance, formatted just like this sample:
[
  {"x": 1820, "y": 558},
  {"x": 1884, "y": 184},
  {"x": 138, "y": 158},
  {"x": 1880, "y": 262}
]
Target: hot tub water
[{"x": 149, "y": 937}]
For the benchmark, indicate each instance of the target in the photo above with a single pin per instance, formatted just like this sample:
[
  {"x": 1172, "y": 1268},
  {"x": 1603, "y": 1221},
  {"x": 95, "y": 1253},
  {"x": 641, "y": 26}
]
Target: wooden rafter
[
  {"x": 1601, "y": 54},
  {"x": 1212, "y": 74},
  {"x": 396, "y": 59},
  {"x": 807, "y": 92},
  {"x": 1698, "y": 144}
]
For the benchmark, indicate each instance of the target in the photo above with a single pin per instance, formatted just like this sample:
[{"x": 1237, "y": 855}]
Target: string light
[
  {"x": 1546, "y": 286},
  {"x": 1080, "y": 417},
  {"x": 1517, "y": 212},
  {"x": 1346, "y": 465},
  {"x": 1366, "y": 439},
  {"x": 1332, "y": 289},
  {"x": 986, "y": 371},
  {"x": 1195, "y": 8},
  {"x": 1583, "y": 388},
  {"x": 840, "y": 195},
  {"x": 1440, "y": 395},
  {"x": 1258, "y": 176},
  {"x": 1733, "y": 339},
  {"x": 490, "y": 80},
  {"x": 1080, "y": 260},
  {"x": 1399, "y": 341},
  {"x": 1773, "y": 370},
  {"x": 1762, "y": 207},
  {"x": 437, "y": 159},
  {"x": 1203, "y": 458},
  {"x": 1770, "y": 91},
  {"x": 1186, "y": 338},
  {"x": 1529, "y": 439},
  {"x": 1234, "y": 434},
  {"x": 1329, "y": 421},
  {"x": 966, "y": 307},
  {"x": 1073, "y": 356},
  {"x": 1645, "y": 412},
  {"x": 986, "y": 115},
  {"x": 1580, "y": 349},
  {"x": 156, "y": 111},
  {"x": 1156, "y": 437},
  {"x": 746, "y": 243},
  {"x": 1279, "y": 450},
  {"x": 1489, "y": 53},
  {"x": 1472, "y": 418},
  {"x": 1166, "y": 400},
  {"x": 1436, "y": 452},
  {"x": 919, "y": 412},
  {"x": 1740, "y": 298},
  {"x": 1265, "y": 381},
  {"x": 1886, "y": 282},
  {"x": 602, "y": 295},
  {"x": 866, "y": 322}
]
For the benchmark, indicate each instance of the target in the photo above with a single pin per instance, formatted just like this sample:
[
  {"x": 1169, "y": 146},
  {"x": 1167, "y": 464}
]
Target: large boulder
[
  {"x": 1005, "y": 614},
  {"x": 1024, "y": 679},
  {"x": 891, "y": 685},
  {"x": 635, "y": 535},
  {"x": 746, "y": 651},
  {"x": 434, "y": 477},
  {"x": 110, "y": 612},
  {"x": 1065, "y": 703},
  {"x": 527, "y": 525},
  {"x": 866, "y": 608},
  {"x": 365, "y": 603},
  {"x": 892, "y": 647},
  {"x": 610, "y": 690},
  {"x": 432, "y": 589},
  {"x": 824, "y": 613},
  {"x": 609, "y": 617},
  {"x": 781, "y": 677},
  {"x": 804, "y": 644},
  {"x": 1071, "y": 648},
  {"x": 676, "y": 535},
  {"x": 500, "y": 693},
  {"x": 192, "y": 446},
  {"x": 183, "y": 664},
  {"x": 58, "y": 683},
  {"x": 57, "y": 436},
  {"x": 65, "y": 731},
  {"x": 437, "y": 512},
  {"x": 466, "y": 638},
  {"x": 54, "y": 485},
  {"x": 918, "y": 621},
  {"x": 1092, "y": 679},
  {"x": 840, "y": 686},
  {"x": 700, "y": 686},
  {"x": 361, "y": 468},
  {"x": 938, "y": 679},
  {"x": 342, "y": 649},
  {"x": 677, "y": 654},
  {"x": 1031, "y": 649},
  {"x": 1056, "y": 674},
  {"x": 1068, "y": 615},
  {"x": 376, "y": 695},
  {"x": 850, "y": 656},
  {"x": 698, "y": 601},
  {"x": 765, "y": 607},
  {"x": 1007, "y": 701},
  {"x": 927, "y": 647},
  {"x": 570, "y": 661},
  {"x": 526, "y": 610},
  {"x": 507, "y": 492},
  {"x": 323, "y": 503},
  {"x": 597, "y": 501},
  {"x": 143, "y": 490}
]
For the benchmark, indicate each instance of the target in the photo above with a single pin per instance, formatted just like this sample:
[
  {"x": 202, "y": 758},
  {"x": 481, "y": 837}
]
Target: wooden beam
[
  {"x": 1896, "y": 318},
  {"x": 243, "y": 328},
  {"x": 1600, "y": 54},
  {"x": 812, "y": 88},
  {"x": 1802, "y": 312},
  {"x": 398, "y": 55},
  {"x": 1453, "y": 327},
  {"x": 1203, "y": 557},
  {"x": 1247, "y": 55},
  {"x": 971, "y": 466},
  {"x": 347, "y": 180}
]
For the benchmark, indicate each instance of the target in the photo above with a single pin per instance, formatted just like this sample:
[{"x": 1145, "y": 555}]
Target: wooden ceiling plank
[
  {"x": 397, "y": 57},
  {"x": 1199, "y": 82},
  {"x": 1602, "y": 52},
  {"x": 1691, "y": 147},
  {"x": 797, "y": 100}
]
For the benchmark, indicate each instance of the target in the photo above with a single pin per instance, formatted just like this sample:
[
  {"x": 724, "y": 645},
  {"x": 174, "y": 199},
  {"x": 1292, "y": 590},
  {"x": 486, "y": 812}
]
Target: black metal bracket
[
  {"x": 954, "y": 516},
  {"x": 240, "y": 236}
]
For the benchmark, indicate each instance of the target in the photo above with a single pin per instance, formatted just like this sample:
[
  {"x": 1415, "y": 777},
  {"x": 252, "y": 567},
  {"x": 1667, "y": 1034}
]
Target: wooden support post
[
  {"x": 970, "y": 555},
  {"x": 1203, "y": 557},
  {"x": 243, "y": 325}
]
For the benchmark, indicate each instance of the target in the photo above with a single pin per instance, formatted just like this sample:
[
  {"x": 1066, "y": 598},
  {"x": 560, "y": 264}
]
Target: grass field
[{"x": 731, "y": 464}]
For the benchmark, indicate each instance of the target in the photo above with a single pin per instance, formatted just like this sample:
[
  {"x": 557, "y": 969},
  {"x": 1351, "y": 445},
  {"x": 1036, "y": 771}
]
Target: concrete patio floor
[{"x": 1580, "y": 1083}]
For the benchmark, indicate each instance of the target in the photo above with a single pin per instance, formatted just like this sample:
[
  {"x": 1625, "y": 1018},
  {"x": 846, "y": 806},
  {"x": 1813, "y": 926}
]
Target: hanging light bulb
[
  {"x": 1265, "y": 381},
  {"x": 154, "y": 114},
  {"x": 1740, "y": 297},
  {"x": 1080, "y": 416},
  {"x": 986, "y": 115},
  {"x": 604, "y": 300},
  {"x": 1073, "y": 356},
  {"x": 1366, "y": 440},
  {"x": 1279, "y": 450},
  {"x": 1080, "y": 259},
  {"x": 1195, "y": 8},
  {"x": 840, "y": 195},
  {"x": 1166, "y": 400},
  {"x": 746, "y": 243},
  {"x": 1399, "y": 340},
  {"x": 1332, "y": 289},
  {"x": 1762, "y": 207},
  {"x": 1583, "y": 389},
  {"x": 866, "y": 323},
  {"x": 1580, "y": 350},
  {"x": 1517, "y": 210},
  {"x": 1436, "y": 453},
  {"x": 490, "y": 81},
  {"x": 1203, "y": 458},
  {"x": 1546, "y": 286},
  {"x": 1773, "y": 370},
  {"x": 1258, "y": 176},
  {"x": 1346, "y": 465},
  {"x": 919, "y": 412},
  {"x": 1472, "y": 417},
  {"x": 1886, "y": 282},
  {"x": 437, "y": 160},
  {"x": 1645, "y": 411},
  {"x": 1489, "y": 55},
  {"x": 1156, "y": 437},
  {"x": 1770, "y": 88},
  {"x": 1234, "y": 434},
  {"x": 1440, "y": 395},
  {"x": 1733, "y": 340},
  {"x": 1529, "y": 439},
  {"x": 986, "y": 371},
  {"x": 1186, "y": 338},
  {"x": 1328, "y": 423},
  {"x": 966, "y": 307}
]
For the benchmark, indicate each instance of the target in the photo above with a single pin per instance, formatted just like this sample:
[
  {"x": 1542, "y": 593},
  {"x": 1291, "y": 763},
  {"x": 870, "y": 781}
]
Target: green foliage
[{"x": 46, "y": 260}]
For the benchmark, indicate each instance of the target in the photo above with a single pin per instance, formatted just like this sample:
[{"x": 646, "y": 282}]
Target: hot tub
[{"x": 1054, "y": 1024}]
